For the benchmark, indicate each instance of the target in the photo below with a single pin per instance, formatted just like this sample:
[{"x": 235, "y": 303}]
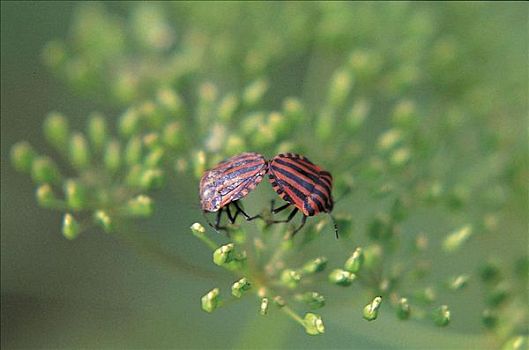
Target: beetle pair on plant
[{"x": 294, "y": 178}]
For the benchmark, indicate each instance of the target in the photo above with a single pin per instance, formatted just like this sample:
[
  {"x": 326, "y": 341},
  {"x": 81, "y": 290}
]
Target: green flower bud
[
  {"x": 54, "y": 54},
  {"x": 278, "y": 124},
  {"x": 133, "y": 151},
  {"x": 279, "y": 301},
  {"x": 102, "y": 219},
  {"x": 254, "y": 92},
  {"x": 341, "y": 85},
  {"x": 134, "y": 175},
  {"x": 370, "y": 312},
  {"x": 44, "y": 170},
  {"x": 403, "y": 309},
  {"x": 389, "y": 140},
  {"x": 79, "y": 153},
  {"x": 400, "y": 157},
  {"x": 198, "y": 229},
  {"x": 315, "y": 265},
  {"x": 152, "y": 140},
  {"x": 75, "y": 195},
  {"x": 404, "y": 114},
  {"x": 420, "y": 243},
  {"x": 70, "y": 227},
  {"x": 426, "y": 295},
  {"x": 490, "y": 272},
  {"x": 199, "y": 163},
  {"x": 313, "y": 324},
  {"x": 129, "y": 122},
  {"x": 489, "y": 318},
  {"x": 224, "y": 254},
  {"x": 442, "y": 316},
  {"x": 141, "y": 205},
  {"x": 56, "y": 130},
  {"x": 293, "y": 109},
  {"x": 457, "y": 238},
  {"x": 341, "y": 277},
  {"x": 22, "y": 156},
  {"x": 227, "y": 108},
  {"x": 358, "y": 114},
  {"x": 314, "y": 300},
  {"x": 263, "y": 307},
  {"x": 365, "y": 64},
  {"x": 171, "y": 101},
  {"x": 173, "y": 136},
  {"x": 516, "y": 343},
  {"x": 239, "y": 287},
  {"x": 325, "y": 123},
  {"x": 154, "y": 157},
  {"x": 151, "y": 179},
  {"x": 290, "y": 278},
  {"x": 458, "y": 197},
  {"x": 497, "y": 296},
  {"x": 46, "y": 198},
  {"x": 372, "y": 256},
  {"x": 151, "y": 114},
  {"x": 354, "y": 263},
  {"x": 112, "y": 156},
  {"x": 97, "y": 130},
  {"x": 381, "y": 227},
  {"x": 458, "y": 282},
  {"x": 210, "y": 301},
  {"x": 235, "y": 145}
]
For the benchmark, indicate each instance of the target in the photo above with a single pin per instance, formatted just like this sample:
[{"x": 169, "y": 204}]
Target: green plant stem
[{"x": 287, "y": 310}]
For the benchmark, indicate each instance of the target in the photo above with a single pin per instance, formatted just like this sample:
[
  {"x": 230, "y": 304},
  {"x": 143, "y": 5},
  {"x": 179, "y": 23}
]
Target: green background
[{"x": 97, "y": 292}]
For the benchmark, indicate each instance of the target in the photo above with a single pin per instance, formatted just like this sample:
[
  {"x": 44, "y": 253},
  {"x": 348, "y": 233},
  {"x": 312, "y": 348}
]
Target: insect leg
[
  {"x": 246, "y": 216},
  {"x": 216, "y": 226},
  {"x": 303, "y": 220},
  {"x": 281, "y": 208},
  {"x": 290, "y": 216},
  {"x": 231, "y": 217},
  {"x": 335, "y": 226}
]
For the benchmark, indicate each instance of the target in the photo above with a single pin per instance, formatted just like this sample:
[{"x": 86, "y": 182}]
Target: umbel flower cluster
[{"x": 386, "y": 97}]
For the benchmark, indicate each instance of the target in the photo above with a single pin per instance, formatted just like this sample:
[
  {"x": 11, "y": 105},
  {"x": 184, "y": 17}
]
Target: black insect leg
[
  {"x": 280, "y": 209},
  {"x": 303, "y": 221},
  {"x": 335, "y": 226},
  {"x": 246, "y": 216},
  {"x": 231, "y": 217},
  {"x": 290, "y": 216},
  {"x": 216, "y": 226}
]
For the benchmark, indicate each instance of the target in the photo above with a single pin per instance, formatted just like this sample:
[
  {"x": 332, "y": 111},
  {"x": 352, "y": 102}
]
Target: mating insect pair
[{"x": 295, "y": 179}]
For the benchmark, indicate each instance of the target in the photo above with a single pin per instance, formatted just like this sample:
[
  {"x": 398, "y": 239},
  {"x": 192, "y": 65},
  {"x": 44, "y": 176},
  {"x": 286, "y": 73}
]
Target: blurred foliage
[{"x": 412, "y": 107}]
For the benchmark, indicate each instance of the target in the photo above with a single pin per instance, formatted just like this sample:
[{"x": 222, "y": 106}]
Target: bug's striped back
[
  {"x": 231, "y": 180},
  {"x": 302, "y": 183}
]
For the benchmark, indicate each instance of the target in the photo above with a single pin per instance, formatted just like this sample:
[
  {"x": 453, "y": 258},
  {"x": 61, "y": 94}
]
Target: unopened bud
[
  {"x": 315, "y": 265},
  {"x": 70, "y": 227},
  {"x": 224, "y": 254},
  {"x": 239, "y": 287},
  {"x": 313, "y": 324},
  {"x": 442, "y": 316},
  {"x": 354, "y": 263},
  {"x": 210, "y": 301},
  {"x": 370, "y": 312},
  {"x": 341, "y": 277}
]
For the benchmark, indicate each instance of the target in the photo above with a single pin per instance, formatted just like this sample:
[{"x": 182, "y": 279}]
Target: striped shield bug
[
  {"x": 228, "y": 182},
  {"x": 302, "y": 184}
]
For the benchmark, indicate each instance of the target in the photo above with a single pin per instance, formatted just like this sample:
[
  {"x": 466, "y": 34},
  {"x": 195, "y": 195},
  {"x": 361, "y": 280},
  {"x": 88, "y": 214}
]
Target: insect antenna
[{"x": 335, "y": 225}]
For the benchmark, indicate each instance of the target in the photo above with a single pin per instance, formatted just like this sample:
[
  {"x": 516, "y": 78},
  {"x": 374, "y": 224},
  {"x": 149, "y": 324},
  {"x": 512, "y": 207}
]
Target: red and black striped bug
[
  {"x": 228, "y": 182},
  {"x": 302, "y": 184}
]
